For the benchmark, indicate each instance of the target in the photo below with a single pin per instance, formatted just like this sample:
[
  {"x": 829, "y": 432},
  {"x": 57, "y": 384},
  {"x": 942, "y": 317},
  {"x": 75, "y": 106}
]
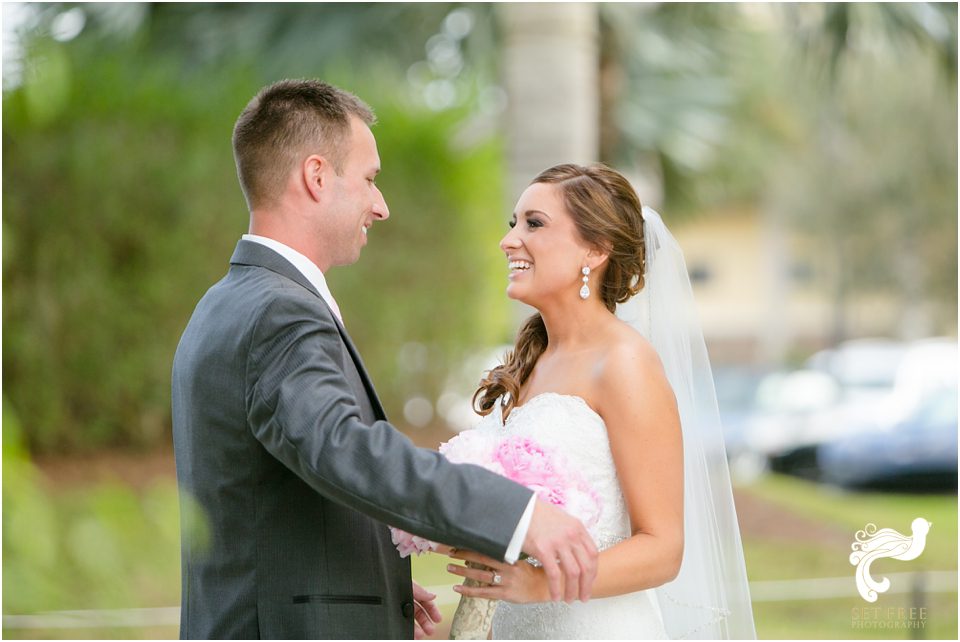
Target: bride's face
[{"x": 544, "y": 250}]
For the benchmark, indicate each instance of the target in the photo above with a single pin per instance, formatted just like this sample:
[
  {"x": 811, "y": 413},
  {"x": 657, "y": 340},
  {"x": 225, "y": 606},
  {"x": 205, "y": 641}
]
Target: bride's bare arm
[{"x": 640, "y": 411}]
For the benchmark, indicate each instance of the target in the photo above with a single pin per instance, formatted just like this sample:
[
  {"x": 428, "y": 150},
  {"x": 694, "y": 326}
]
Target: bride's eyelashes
[{"x": 532, "y": 223}]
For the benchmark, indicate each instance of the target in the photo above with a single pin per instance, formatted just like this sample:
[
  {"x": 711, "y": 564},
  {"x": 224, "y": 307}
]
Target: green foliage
[
  {"x": 426, "y": 291},
  {"x": 98, "y": 547},
  {"x": 838, "y": 121},
  {"x": 674, "y": 89},
  {"x": 119, "y": 211},
  {"x": 874, "y": 183},
  {"x": 122, "y": 207}
]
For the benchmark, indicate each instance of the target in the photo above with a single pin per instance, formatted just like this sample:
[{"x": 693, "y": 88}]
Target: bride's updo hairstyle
[{"x": 607, "y": 214}]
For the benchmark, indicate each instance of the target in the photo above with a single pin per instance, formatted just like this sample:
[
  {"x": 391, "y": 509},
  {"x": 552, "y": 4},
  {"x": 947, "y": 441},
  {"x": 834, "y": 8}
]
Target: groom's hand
[
  {"x": 426, "y": 612},
  {"x": 569, "y": 557}
]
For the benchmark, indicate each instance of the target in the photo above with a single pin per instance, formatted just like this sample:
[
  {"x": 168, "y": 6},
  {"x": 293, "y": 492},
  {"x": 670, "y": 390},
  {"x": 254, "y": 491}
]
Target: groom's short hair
[{"x": 285, "y": 122}]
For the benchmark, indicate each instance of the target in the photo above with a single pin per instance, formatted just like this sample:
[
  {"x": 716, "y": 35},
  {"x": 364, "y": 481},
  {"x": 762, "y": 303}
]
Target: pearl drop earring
[{"x": 585, "y": 290}]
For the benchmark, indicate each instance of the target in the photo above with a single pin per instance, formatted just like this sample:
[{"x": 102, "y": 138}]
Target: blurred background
[{"x": 805, "y": 157}]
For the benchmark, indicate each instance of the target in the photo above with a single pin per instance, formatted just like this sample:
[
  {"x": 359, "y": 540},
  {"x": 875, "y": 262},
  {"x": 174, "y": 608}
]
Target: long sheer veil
[{"x": 710, "y": 597}]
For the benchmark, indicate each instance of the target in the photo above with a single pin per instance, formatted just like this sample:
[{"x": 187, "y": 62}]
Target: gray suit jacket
[{"x": 289, "y": 473}]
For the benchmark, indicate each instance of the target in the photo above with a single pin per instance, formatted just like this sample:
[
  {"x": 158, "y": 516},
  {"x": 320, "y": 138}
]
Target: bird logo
[{"x": 872, "y": 544}]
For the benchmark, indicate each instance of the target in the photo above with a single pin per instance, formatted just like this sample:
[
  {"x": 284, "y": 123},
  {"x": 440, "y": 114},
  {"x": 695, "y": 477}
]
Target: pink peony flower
[
  {"x": 407, "y": 543},
  {"x": 524, "y": 461}
]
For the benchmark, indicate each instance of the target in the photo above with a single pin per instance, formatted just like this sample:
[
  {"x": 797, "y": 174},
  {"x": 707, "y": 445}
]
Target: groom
[{"x": 288, "y": 470}]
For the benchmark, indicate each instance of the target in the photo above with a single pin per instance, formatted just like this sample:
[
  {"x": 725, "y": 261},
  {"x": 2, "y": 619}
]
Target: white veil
[{"x": 709, "y": 598}]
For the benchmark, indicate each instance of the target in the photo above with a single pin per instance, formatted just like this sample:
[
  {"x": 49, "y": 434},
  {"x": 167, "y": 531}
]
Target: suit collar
[{"x": 259, "y": 255}]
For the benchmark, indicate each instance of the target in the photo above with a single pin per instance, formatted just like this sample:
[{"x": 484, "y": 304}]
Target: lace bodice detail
[
  {"x": 572, "y": 430},
  {"x": 575, "y": 433}
]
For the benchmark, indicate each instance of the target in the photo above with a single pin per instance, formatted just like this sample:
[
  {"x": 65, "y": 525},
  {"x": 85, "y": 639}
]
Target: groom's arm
[{"x": 301, "y": 408}]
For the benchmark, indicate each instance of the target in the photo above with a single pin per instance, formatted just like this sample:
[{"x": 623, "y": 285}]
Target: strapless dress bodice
[{"x": 567, "y": 427}]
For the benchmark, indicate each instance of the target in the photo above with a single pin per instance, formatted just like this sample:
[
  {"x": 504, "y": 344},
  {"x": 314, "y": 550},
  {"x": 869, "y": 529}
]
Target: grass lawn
[
  {"x": 798, "y": 555},
  {"x": 851, "y": 511},
  {"x": 108, "y": 546},
  {"x": 801, "y": 557}
]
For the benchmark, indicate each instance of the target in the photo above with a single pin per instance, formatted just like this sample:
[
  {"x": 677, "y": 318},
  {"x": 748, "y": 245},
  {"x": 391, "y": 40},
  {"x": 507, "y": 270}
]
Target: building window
[{"x": 700, "y": 273}]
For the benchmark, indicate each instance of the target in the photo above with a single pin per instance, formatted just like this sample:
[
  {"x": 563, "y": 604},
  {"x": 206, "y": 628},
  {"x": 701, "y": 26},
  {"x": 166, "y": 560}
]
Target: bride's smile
[
  {"x": 544, "y": 250},
  {"x": 517, "y": 266}
]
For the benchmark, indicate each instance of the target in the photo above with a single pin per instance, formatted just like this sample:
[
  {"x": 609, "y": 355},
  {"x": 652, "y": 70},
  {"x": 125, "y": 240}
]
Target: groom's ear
[{"x": 315, "y": 173}]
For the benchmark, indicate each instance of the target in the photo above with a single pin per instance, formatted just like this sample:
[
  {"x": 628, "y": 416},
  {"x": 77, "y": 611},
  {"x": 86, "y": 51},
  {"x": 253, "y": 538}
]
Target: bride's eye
[
  {"x": 534, "y": 222},
  {"x": 512, "y": 224}
]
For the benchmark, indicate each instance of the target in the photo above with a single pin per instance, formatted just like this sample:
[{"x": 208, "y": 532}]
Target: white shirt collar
[{"x": 305, "y": 266}]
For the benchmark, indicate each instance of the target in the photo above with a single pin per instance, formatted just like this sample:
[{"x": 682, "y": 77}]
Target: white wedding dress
[{"x": 566, "y": 425}]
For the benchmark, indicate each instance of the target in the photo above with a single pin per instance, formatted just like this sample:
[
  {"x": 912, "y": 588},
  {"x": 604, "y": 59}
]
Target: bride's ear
[{"x": 597, "y": 258}]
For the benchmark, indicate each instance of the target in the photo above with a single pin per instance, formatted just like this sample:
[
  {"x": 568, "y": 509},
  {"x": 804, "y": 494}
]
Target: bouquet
[{"x": 526, "y": 462}]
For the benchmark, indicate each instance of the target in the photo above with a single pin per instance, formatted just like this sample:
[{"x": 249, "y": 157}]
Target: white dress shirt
[
  {"x": 305, "y": 266},
  {"x": 312, "y": 273}
]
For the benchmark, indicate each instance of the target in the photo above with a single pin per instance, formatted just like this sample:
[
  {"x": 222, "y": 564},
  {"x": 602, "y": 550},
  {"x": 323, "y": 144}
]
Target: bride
[{"x": 620, "y": 386}]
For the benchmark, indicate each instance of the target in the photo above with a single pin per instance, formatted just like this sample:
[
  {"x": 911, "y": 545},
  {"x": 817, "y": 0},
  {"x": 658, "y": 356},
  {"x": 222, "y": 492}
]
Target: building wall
[{"x": 763, "y": 294}]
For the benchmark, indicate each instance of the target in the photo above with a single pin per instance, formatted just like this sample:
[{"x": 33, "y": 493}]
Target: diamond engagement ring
[{"x": 497, "y": 578}]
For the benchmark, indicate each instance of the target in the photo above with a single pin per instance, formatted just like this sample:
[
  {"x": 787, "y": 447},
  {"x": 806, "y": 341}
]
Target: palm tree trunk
[{"x": 551, "y": 75}]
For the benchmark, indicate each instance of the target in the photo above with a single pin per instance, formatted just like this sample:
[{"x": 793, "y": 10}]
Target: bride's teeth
[{"x": 519, "y": 265}]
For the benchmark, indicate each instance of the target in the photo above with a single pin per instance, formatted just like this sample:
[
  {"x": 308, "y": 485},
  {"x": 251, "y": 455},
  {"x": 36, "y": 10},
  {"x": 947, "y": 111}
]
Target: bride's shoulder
[
  {"x": 633, "y": 392},
  {"x": 629, "y": 364},
  {"x": 629, "y": 353}
]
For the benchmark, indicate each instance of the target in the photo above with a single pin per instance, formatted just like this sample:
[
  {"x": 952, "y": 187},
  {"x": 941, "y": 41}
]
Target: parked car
[
  {"x": 775, "y": 434},
  {"x": 927, "y": 366},
  {"x": 736, "y": 387},
  {"x": 862, "y": 367},
  {"x": 918, "y": 452},
  {"x": 876, "y": 383}
]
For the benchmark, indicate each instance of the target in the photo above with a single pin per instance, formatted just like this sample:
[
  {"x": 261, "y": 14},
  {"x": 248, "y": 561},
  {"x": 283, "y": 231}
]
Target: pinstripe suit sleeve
[{"x": 301, "y": 408}]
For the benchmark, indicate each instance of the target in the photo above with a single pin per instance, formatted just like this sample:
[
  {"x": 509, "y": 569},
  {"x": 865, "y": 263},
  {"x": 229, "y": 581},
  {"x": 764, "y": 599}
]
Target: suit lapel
[
  {"x": 364, "y": 376},
  {"x": 258, "y": 255}
]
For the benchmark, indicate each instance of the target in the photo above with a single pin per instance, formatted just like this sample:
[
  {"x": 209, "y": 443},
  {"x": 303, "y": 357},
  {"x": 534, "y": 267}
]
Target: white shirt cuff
[{"x": 516, "y": 542}]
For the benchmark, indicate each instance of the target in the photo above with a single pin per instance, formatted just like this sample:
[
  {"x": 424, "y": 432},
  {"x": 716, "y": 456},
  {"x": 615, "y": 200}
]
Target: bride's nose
[{"x": 510, "y": 241}]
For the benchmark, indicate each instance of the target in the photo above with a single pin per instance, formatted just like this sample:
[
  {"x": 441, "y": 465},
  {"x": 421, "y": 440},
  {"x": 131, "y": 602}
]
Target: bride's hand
[{"x": 519, "y": 583}]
